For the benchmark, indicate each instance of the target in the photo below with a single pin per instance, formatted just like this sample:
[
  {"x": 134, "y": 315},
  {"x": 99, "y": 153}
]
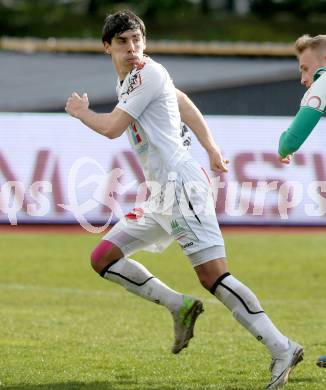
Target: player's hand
[
  {"x": 285, "y": 160},
  {"x": 76, "y": 104},
  {"x": 217, "y": 161}
]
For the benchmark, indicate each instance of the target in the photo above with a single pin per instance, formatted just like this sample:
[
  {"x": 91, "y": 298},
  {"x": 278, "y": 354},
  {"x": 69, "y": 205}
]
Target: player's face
[
  {"x": 126, "y": 50},
  {"x": 309, "y": 61}
]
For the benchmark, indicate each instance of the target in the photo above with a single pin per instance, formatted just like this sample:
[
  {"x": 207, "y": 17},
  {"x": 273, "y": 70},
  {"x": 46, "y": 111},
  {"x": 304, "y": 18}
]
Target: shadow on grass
[
  {"x": 133, "y": 385},
  {"x": 85, "y": 386},
  {"x": 64, "y": 386}
]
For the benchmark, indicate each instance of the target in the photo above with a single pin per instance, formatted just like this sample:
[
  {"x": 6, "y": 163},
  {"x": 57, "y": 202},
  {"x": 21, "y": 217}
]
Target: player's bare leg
[
  {"x": 246, "y": 309},
  {"x": 109, "y": 261}
]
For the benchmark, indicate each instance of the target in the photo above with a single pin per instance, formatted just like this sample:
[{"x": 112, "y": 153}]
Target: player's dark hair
[{"x": 120, "y": 22}]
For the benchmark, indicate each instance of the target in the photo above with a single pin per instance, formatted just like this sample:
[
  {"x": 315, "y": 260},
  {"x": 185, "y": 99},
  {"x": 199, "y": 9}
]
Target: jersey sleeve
[
  {"x": 313, "y": 106},
  {"x": 299, "y": 130},
  {"x": 145, "y": 85}
]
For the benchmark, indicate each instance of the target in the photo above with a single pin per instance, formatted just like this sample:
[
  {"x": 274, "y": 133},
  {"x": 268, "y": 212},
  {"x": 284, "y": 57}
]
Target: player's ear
[
  {"x": 144, "y": 40},
  {"x": 107, "y": 48}
]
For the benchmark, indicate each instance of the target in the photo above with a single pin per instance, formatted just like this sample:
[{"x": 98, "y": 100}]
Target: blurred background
[
  {"x": 234, "y": 58},
  {"x": 242, "y": 48},
  {"x": 244, "y": 20}
]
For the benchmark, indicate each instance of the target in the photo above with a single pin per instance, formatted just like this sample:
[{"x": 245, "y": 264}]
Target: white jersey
[
  {"x": 149, "y": 96},
  {"x": 315, "y": 97}
]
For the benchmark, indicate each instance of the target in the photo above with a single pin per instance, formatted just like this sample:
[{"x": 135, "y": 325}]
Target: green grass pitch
[{"x": 63, "y": 327}]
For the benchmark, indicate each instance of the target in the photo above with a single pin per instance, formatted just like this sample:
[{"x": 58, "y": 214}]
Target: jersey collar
[{"x": 319, "y": 72}]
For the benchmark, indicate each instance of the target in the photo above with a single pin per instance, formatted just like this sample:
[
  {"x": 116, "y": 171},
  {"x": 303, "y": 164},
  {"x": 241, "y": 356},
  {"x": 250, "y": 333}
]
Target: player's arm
[
  {"x": 299, "y": 130},
  {"x": 194, "y": 119},
  {"x": 111, "y": 125}
]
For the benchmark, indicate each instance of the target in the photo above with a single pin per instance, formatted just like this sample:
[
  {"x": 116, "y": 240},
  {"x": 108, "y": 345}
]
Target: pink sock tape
[{"x": 101, "y": 250}]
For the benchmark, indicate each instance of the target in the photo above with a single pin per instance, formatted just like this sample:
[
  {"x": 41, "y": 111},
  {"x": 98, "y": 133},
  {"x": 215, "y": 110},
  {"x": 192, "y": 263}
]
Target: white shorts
[{"x": 183, "y": 211}]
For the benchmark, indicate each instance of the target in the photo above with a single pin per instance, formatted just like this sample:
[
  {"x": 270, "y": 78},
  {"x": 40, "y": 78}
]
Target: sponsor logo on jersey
[
  {"x": 314, "y": 102},
  {"x": 135, "y": 81}
]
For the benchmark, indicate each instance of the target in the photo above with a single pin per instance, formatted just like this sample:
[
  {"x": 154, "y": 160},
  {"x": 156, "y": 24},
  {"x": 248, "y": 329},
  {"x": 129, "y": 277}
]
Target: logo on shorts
[
  {"x": 187, "y": 245},
  {"x": 176, "y": 228}
]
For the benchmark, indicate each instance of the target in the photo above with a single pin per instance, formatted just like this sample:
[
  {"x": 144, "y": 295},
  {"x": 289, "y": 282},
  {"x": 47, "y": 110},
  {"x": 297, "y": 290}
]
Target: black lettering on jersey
[
  {"x": 135, "y": 81},
  {"x": 185, "y": 135}
]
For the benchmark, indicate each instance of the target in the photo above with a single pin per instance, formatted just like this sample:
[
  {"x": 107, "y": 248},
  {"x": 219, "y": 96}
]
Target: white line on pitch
[{"x": 77, "y": 291}]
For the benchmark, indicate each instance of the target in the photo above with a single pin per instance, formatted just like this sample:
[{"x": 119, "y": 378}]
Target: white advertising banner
[{"x": 53, "y": 169}]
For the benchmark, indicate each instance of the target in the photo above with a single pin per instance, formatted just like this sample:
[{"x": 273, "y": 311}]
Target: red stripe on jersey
[{"x": 138, "y": 137}]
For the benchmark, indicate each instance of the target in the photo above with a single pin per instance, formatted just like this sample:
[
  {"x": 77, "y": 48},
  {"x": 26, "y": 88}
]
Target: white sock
[
  {"x": 135, "y": 278},
  {"x": 246, "y": 309}
]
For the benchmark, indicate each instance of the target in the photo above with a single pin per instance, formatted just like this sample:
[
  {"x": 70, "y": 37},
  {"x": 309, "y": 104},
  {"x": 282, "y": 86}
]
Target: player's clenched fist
[
  {"x": 285, "y": 160},
  {"x": 76, "y": 104},
  {"x": 217, "y": 161}
]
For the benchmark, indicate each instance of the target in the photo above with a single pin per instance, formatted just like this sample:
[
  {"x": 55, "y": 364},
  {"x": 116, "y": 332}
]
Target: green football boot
[{"x": 184, "y": 322}]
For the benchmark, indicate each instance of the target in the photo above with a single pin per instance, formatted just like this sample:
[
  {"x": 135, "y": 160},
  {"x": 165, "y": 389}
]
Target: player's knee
[
  {"x": 104, "y": 254},
  {"x": 210, "y": 271},
  {"x": 207, "y": 278},
  {"x": 205, "y": 281}
]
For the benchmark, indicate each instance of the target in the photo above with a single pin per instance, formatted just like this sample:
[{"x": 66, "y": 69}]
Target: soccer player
[
  {"x": 180, "y": 205},
  {"x": 311, "y": 53}
]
